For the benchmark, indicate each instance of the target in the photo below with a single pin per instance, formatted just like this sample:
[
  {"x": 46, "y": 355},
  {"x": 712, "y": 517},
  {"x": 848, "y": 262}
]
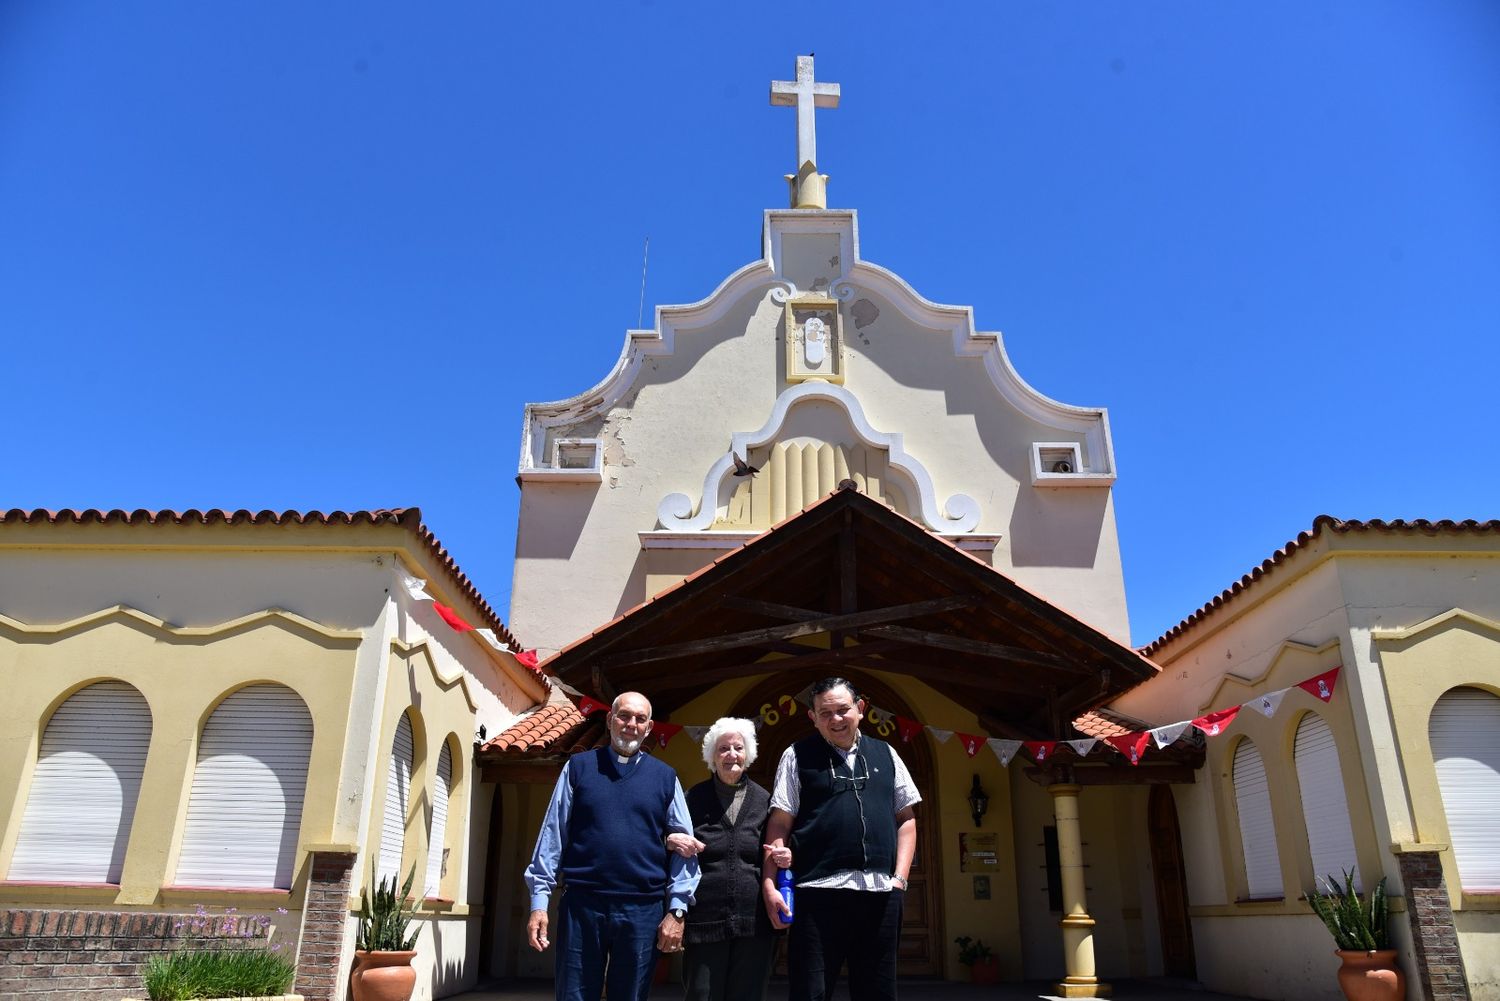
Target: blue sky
[{"x": 288, "y": 255}]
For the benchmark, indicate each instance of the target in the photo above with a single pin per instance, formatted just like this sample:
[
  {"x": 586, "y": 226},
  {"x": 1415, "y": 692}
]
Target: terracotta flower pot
[
  {"x": 1371, "y": 976},
  {"x": 383, "y": 976},
  {"x": 985, "y": 971}
]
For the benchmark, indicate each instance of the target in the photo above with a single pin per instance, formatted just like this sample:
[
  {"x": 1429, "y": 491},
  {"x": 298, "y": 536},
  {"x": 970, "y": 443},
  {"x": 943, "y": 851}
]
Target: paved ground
[{"x": 911, "y": 990}]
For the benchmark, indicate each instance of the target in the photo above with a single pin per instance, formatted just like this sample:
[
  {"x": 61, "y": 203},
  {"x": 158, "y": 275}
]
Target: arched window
[
  {"x": 397, "y": 803},
  {"x": 1465, "y": 734},
  {"x": 1257, "y": 828},
  {"x": 1325, "y": 808},
  {"x": 245, "y": 809},
  {"x": 440, "y": 791},
  {"x": 83, "y": 792}
]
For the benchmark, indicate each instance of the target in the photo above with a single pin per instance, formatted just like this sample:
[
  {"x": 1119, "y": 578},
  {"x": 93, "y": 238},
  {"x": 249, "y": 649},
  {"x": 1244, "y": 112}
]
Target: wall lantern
[{"x": 979, "y": 800}]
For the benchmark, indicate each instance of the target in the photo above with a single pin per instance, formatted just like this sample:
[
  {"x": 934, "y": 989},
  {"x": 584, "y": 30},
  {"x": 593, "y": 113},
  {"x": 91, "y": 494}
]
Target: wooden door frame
[
  {"x": 916, "y": 755},
  {"x": 1164, "y": 834}
]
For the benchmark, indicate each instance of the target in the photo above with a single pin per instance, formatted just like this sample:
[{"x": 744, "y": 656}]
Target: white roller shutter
[
  {"x": 1325, "y": 807},
  {"x": 397, "y": 802},
  {"x": 83, "y": 792},
  {"x": 1465, "y": 735},
  {"x": 439, "y": 822},
  {"x": 246, "y": 805},
  {"x": 1257, "y": 829}
]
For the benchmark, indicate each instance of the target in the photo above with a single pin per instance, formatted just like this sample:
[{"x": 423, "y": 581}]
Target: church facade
[{"x": 812, "y": 471}]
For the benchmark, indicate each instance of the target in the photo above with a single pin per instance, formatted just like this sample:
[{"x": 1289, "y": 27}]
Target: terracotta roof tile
[
  {"x": 1322, "y": 523},
  {"x": 408, "y": 517},
  {"x": 546, "y": 729},
  {"x": 1093, "y": 724}
]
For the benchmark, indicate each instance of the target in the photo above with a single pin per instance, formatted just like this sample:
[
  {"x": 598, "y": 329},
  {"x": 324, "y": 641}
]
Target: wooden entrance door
[
  {"x": 921, "y": 952},
  {"x": 1171, "y": 884}
]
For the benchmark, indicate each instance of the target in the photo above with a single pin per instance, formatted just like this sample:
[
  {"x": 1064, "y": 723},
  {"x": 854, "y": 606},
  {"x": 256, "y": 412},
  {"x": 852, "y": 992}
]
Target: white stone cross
[{"x": 805, "y": 95}]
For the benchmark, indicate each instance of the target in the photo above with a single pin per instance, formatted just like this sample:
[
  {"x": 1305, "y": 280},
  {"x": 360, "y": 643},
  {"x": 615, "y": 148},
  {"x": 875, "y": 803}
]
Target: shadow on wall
[
  {"x": 552, "y": 518},
  {"x": 1057, "y": 527}
]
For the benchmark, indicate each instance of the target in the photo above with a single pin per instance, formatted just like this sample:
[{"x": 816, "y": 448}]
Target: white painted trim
[
  {"x": 960, "y": 513},
  {"x": 974, "y": 542},
  {"x": 1090, "y": 423},
  {"x": 1081, "y": 476}
]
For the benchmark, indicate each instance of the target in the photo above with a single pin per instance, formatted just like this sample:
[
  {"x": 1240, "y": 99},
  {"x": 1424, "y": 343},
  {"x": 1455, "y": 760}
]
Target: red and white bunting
[
  {"x": 527, "y": 658},
  {"x": 696, "y": 733},
  {"x": 665, "y": 732},
  {"x": 1164, "y": 735},
  {"x": 1040, "y": 750},
  {"x": 1320, "y": 687},
  {"x": 1132, "y": 745},
  {"x": 1216, "y": 723},
  {"x": 941, "y": 736},
  {"x": 451, "y": 617},
  {"x": 1268, "y": 703},
  {"x": 1084, "y": 746},
  {"x": 907, "y": 728},
  {"x": 1004, "y": 749},
  {"x": 415, "y": 587},
  {"x": 588, "y": 706},
  {"x": 971, "y": 743}
]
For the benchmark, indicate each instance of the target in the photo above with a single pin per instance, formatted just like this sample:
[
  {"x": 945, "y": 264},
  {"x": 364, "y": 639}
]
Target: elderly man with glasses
[
  {"x": 605, "y": 833},
  {"x": 843, "y": 802}
]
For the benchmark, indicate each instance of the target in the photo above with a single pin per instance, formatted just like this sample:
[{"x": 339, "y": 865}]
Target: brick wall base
[
  {"x": 91, "y": 955},
  {"x": 321, "y": 953},
  {"x": 1440, "y": 966}
]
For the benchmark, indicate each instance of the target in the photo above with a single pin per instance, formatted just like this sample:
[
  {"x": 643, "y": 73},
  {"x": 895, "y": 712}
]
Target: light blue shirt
[{"x": 541, "y": 874}]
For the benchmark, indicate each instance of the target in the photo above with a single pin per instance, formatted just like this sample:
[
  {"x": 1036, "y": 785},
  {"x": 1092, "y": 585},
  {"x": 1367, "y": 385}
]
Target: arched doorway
[
  {"x": 921, "y": 952},
  {"x": 1170, "y": 877}
]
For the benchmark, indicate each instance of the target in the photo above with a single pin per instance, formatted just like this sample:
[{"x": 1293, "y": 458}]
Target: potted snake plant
[
  {"x": 383, "y": 950},
  {"x": 1358, "y": 925}
]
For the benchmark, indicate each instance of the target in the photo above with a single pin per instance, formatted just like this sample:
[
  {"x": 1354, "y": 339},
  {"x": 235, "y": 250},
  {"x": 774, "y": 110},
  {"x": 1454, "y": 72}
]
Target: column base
[{"x": 1080, "y": 987}]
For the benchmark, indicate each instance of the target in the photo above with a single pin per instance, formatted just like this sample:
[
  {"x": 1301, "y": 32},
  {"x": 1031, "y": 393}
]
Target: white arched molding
[
  {"x": 1325, "y": 807},
  {"x": 438, "y": 832},
  {"x": 245, "y": 810},
  {"x": 960, "y": 513},
  {"x": 397, "y": 803},
  {"x": 83, "y": 792},
  {"x": 1089, "y": 425},
  {"x": 1464, "y": 731},
  {"x": 1252, "y": 797}
]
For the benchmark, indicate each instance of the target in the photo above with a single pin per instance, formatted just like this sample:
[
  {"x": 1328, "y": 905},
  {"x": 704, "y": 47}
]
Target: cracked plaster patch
[{"x": 864, "y": 313}]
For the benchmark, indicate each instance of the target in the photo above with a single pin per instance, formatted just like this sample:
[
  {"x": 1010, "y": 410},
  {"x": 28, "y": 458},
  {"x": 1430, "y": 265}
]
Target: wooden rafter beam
[
  {"x": 809, "y": 627},
  {"x": 981, "y": 648}
]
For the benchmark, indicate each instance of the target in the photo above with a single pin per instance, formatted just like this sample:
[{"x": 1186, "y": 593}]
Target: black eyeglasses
[{"x": 844, "y": 783}]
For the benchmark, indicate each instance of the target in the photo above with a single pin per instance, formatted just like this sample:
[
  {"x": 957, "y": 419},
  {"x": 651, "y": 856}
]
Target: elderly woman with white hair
[{"x": 728, "y": 938}]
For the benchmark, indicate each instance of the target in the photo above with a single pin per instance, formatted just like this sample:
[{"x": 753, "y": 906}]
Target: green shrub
[
  {"x": 217, "y": 973},
  {"x": 383, "y": 916},
  {"x": 971, "y": 951},
  {"x": 1357, "y": 925}
]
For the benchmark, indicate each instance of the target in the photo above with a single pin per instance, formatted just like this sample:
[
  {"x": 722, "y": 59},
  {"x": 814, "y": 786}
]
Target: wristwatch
[
  {"x": 900, "y": 881},
  {"x": 678, "y": 912}
]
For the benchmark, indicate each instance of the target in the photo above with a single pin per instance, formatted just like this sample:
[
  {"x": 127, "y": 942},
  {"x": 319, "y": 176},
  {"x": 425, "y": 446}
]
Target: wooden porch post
[{"x": 1081, "y": 980}]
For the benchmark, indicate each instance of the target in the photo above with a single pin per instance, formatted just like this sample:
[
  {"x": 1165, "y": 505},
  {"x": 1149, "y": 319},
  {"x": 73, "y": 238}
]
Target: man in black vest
[
  {"x": 843, "y": 802},
  {"x": 604, "y": 834}
]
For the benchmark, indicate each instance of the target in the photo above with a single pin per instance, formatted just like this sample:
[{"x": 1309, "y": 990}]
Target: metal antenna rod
[{"x": 640, "y": 315}]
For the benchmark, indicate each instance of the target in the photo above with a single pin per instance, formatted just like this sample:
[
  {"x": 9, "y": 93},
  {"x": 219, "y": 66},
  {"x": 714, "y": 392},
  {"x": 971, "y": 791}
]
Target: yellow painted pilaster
[{"x": 1081, "y": 980}]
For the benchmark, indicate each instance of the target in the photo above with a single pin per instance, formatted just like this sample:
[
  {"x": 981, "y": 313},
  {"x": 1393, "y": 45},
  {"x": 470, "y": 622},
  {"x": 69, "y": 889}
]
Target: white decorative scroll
[{"x": 960, "y": 513}]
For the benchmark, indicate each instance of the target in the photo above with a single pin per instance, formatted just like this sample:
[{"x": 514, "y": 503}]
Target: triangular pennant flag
[
  {"x": 588, "y": 706},
  {"x": 488, "y": 635},
  {"x": 1216, "y": 723},
  {"x": 527, "y": 658},
  {"x": 1040, "y": 750},
  {"x": 1269, "y": 702},
  {"x": 1164, "y": 735},
  {"x": 1132, "y": 745},
  {"x": 804, "y": 697},
  {"x": 908, "y": 728},
  {"x": 1320, "y": 687},
  {"x": 1083, "y": 747},
  {"x": 449, "y": 616},
  {"x": 416, "y": 587},
  {"x": 1004, "y": 749},
  {"x": 665, "y": 731},
  {"x": 971, "y": 743},
  {"x": 696, "y": 733},
  {"x": 880, "y": 715},
  {"x": 941, "y": 736}
]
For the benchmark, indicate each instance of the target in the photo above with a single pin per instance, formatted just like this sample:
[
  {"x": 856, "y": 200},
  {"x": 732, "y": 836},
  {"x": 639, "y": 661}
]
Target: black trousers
[
  {"x": 835, "y": 926},
  {"x": 737, "y": 969}
]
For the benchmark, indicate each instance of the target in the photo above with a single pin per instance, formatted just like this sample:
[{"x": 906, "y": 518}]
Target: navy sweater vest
[
  {"x": 617, "y": 829},
  {"x": 845, "y": 819}
]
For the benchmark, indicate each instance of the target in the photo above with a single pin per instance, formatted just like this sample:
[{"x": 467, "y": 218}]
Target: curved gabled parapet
[
  {"x": 1090, "y": 463},
  {"x": 959, "y": 514}
]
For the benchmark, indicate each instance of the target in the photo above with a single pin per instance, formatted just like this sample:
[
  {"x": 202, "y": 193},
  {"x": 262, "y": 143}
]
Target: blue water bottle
[{"x": 784, "y": 884}]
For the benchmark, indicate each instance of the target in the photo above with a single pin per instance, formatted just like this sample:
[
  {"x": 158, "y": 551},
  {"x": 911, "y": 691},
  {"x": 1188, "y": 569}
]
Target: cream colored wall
[
  {"x": 183, "y": 673},
  {"x": 676, "y": 421}
]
